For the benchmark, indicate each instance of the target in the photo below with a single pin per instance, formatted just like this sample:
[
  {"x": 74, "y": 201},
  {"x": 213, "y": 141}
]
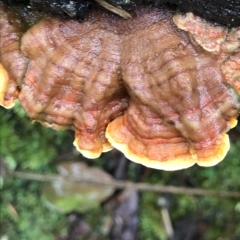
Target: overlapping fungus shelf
[{"x": 161, "y": 87}]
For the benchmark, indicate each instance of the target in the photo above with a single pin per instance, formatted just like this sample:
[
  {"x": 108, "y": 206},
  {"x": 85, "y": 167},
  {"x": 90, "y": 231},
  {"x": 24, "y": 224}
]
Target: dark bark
[{"x": 225, "y": 12}]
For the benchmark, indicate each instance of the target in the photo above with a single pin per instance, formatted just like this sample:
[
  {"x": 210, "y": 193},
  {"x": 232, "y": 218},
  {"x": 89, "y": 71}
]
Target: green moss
[
  {"x": 23, "y": 216},
  {"x": 28, "y": 146},
  {"x": 34, "y": 148}
]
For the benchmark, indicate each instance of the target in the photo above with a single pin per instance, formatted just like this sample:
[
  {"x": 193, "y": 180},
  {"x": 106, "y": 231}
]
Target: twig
[
  {"x": 115, "y": 9},
  {"x": 162, "y": 202},
  {"x": 167, "y": 223},
  {"x": 125, "y": 184}
]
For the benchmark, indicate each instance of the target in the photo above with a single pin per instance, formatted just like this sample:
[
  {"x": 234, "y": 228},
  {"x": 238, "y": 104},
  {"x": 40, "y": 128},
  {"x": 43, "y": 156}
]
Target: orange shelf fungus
[
  {"x": 161, "y": 89},
  {"x": 72, "y": 79},
  {"x": 12, "y": 62},
  {"x": 4, "y": 80}
]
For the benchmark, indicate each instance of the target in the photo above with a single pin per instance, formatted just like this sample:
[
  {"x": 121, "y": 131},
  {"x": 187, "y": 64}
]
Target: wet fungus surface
[
  {"x": 162, "y": 89},
  {"x": 14, "y": 64}
]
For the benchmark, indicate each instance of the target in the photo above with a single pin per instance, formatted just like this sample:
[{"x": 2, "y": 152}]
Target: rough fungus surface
[
  {"x": 162, "y": 90},
  {"x": 12, "y": 62}
]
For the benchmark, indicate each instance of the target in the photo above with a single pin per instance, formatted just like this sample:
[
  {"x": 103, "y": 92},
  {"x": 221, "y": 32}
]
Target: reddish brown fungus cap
[
  {"x": 72, "y": 79},
  {"x": 179, "y": 108},
  {"x": 163, "y": 96},
  {"x": 12, "y": 62}
]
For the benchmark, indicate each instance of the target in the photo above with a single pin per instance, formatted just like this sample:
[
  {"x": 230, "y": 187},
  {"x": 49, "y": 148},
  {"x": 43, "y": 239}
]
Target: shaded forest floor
[{"x": 125, "y": 214}]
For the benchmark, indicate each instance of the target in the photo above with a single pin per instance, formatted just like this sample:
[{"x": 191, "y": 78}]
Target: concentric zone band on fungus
[{"x": 166, "y": 96}]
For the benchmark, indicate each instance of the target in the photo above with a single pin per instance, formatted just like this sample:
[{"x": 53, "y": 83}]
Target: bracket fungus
[{"x": 161, "y": 87}]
